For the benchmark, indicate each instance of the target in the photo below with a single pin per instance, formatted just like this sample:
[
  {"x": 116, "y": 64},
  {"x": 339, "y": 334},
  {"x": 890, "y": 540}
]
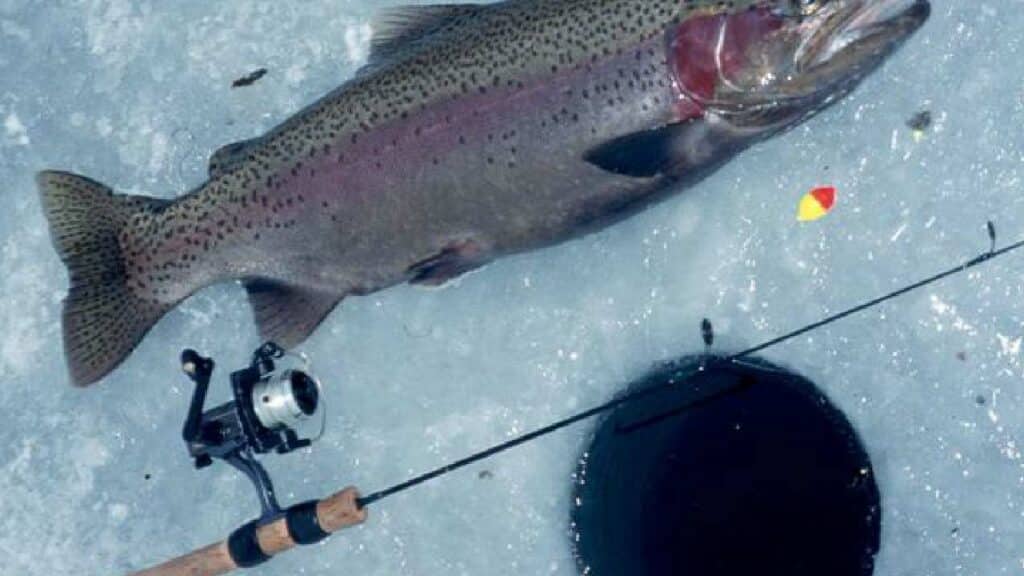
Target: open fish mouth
[
  {"x": 801, "y": 61},
  {"x": 845, "y": 40},
  {"x": 854, "y": 31}
]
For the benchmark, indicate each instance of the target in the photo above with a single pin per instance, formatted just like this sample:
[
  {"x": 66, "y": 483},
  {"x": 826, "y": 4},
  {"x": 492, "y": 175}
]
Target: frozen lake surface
[{"x": 137, "y": 94}]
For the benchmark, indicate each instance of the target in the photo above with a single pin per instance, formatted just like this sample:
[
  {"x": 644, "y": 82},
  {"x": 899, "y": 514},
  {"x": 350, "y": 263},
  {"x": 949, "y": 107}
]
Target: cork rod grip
[{"x": 332, "y": 514}]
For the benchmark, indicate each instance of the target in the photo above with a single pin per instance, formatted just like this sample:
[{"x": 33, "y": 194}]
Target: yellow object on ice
[{"x": 816, "y": 204}]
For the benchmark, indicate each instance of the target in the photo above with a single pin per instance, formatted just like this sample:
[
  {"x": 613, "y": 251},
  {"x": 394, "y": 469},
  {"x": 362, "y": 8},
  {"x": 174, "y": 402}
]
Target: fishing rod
[{"x": 270, "y": 403}]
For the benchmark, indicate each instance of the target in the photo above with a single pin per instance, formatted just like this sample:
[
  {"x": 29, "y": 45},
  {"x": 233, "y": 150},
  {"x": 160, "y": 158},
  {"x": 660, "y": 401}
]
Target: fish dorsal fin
[
  {"x": 396, "y": 29},
  {"x": 227, "y": 157}
]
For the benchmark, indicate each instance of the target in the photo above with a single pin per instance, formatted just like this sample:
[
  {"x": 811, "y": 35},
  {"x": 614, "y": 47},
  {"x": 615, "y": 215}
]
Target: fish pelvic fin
[
  {"x": 456, "y": 259},
  {"x": 103, "y": 320},
  {"x": 285, "y": 314}
]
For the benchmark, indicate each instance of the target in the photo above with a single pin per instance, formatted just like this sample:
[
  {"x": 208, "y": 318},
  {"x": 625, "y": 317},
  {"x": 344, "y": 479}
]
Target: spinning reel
[{"x": 268, "y": 407}]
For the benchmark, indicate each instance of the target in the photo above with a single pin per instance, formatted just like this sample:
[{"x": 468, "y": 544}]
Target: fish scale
[{"x": 475, "y": 131}]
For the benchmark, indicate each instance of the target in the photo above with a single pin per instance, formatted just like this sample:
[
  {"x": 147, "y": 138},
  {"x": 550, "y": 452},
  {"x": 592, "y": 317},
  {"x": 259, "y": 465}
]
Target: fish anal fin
[
  {"x": 452, "y": 261},
  {"x": 397, "y": 28},
  {"x": 286, "y": 314},
  {"x": 641, "y": 154},
  {"x": 229, "y": 156}
]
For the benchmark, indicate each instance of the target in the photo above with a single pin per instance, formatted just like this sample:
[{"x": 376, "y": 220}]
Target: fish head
[{"x": 767, "y": 65}]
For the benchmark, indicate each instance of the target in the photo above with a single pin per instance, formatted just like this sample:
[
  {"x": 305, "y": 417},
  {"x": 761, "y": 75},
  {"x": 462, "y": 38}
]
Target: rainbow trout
[{"x": 474, "y": 131}]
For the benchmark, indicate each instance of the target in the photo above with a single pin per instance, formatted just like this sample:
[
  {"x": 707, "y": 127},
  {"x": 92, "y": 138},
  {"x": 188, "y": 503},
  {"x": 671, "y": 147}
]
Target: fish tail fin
[{"x": 103, "y": 319}]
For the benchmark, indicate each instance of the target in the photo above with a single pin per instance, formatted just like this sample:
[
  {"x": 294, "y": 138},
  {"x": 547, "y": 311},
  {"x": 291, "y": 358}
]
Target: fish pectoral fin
[
  {"x": 451, "y": 262},
  {"x": 396, "y": 29},
  {"x": 286, "y": 314},
  {"x": 229, "y": 156},
  {"x": 643, "y": 154}
]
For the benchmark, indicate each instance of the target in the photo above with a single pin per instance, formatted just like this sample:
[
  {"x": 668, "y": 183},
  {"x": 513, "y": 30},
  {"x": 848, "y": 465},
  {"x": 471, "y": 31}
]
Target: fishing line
[{"x": 634, "y": 396}]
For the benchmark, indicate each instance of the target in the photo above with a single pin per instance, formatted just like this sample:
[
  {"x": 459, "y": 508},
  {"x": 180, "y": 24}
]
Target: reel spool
[{"x": 285, "y": 400}]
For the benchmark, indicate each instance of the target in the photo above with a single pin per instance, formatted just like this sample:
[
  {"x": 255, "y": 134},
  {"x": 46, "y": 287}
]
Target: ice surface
[{"x": 136, "y": 94}]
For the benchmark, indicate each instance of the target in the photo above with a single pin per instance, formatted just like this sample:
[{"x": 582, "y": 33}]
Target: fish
[{"x": 473, "y": 132}]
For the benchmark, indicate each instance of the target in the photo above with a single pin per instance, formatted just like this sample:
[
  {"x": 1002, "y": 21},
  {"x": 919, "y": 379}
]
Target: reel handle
[
  {"x": 199, "y": 370},
  {"x": 254, "y": 544}
]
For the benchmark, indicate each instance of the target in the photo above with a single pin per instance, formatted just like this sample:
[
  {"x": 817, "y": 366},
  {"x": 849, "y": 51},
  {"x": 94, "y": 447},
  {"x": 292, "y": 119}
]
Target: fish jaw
[{"x": 764, "y": 69}]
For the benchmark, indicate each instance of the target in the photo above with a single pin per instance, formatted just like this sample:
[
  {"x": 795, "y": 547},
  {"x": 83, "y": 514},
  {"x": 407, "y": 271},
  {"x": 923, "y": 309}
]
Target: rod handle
[
  {"x": 212, "y": 560},
  {"x": 312, "y": 521}
]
